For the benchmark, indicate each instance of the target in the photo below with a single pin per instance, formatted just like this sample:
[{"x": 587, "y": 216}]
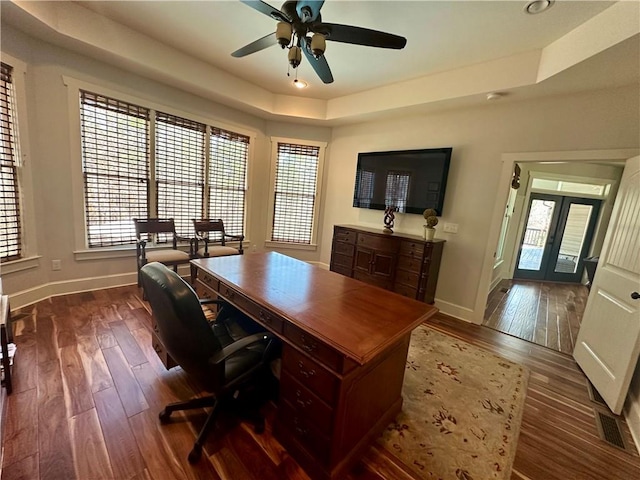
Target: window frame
[
  {"x": 317, "y": 207},
  {"x": 81, "y": 250},
  {"x": 30, "y": 257}
]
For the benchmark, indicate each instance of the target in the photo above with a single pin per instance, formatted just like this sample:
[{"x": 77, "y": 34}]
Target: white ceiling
[{"x": 442, "y": 37}]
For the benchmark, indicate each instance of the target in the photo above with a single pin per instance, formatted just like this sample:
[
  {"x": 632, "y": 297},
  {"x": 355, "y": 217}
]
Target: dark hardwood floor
[
  {"x": 545, "y": 313},
  {"x": 88, "y": 388}
]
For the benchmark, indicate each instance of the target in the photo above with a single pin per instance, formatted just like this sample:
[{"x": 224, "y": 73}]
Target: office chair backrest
[{"x": 182, "y": 325}]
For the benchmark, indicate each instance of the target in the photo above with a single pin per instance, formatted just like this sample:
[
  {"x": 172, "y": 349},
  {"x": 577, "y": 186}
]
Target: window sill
[
  {"x": 292, "y": 246},
  {"x": 21, "y": 265}
]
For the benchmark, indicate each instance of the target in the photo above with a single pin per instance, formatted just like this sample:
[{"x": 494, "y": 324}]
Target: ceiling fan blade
[
  {"x": 320, "y": 65},
  {"x": 253, "y": 47},
  {"x": 267, "y": 9},
  {"x": 359, "y": 36}
]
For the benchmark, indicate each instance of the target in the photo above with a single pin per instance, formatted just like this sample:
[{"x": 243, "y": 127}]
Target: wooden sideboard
[
  {"x": 405, "y": 264},
  {"x": 343, "y": 361}
]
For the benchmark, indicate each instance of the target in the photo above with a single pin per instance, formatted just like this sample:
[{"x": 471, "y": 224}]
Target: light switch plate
[{"x": 451, "y": 227}]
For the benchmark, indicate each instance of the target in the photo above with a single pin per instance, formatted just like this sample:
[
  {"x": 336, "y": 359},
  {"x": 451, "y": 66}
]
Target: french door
[{"x": 557, "y": 237}]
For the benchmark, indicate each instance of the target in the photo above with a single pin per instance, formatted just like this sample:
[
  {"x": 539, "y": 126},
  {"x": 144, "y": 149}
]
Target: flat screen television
[{"x": 410, "y": 180}]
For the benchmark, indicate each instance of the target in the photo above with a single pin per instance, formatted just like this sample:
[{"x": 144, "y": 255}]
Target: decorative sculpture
[{"x": 389, "y": 216}]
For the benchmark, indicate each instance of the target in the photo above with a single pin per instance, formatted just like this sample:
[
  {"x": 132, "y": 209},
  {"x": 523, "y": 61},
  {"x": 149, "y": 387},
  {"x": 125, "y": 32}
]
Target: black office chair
[{"x": 222, "y": 356}]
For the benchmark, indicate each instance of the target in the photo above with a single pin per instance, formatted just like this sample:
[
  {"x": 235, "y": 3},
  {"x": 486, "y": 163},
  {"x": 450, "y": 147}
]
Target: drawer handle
[
  {"x": 157, "y": 348},
  {"x": 230, "y": 293},
  {"x": 301, "y": 402},
  {"x": 306, "y": 373},
  {"x": 308, "y": 345},
  {"x": 265, "y": 317}
]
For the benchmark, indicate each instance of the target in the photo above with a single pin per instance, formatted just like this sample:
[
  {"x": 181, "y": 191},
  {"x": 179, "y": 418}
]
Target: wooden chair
[
  {"x": 148, "y": 229},
  {"x": 210, "y": 240}
]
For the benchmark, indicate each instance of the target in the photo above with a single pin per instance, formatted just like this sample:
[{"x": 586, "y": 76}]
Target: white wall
[{"x": 589, "y": 121}]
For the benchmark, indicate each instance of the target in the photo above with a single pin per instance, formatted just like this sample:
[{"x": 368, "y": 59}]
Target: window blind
[
  {"x": 115, "y": 153},
  {"x": 180, "y": 160},
  {"x": 229, "y": 154},
  {"x": 10, "y": 227},
  {"x": 295, "y": 193}
]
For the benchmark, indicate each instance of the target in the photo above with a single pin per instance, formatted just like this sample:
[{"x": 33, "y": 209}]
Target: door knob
[{"x": 635, "y": 295}]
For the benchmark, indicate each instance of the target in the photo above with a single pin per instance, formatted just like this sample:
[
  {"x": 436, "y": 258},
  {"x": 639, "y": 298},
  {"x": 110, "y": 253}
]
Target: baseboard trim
[
  {"x": 454, "y": 310},
  {"x": 68, "y": 287}
]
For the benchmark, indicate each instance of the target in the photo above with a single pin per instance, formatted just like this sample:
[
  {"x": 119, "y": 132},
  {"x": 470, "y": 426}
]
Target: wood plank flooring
[
  {"x": 88, "y": 388},
  {"x": 544, "y": 313}
]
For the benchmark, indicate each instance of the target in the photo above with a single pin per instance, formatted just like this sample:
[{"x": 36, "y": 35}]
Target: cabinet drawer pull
[
  {"x": 303, "y": 403},
  {"x": 230, "y": 293},
  {"x": 308, "y": 345},
  {"x": 305, "y": 373},
  {"x": 266, "y": 318}
]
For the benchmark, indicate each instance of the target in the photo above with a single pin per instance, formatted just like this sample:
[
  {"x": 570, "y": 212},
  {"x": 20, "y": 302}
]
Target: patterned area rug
[{"x": 461, "y": 413}]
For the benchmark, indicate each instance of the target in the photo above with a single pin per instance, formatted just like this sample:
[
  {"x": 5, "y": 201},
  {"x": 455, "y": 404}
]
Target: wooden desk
[{"x": 344, "y": 351}]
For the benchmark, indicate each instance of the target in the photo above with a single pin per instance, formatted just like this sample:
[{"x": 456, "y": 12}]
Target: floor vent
[
  {"x": 504, "y": 290},
  {"x": 594, "y": 395},
  {"x": 609, "y": 430}
]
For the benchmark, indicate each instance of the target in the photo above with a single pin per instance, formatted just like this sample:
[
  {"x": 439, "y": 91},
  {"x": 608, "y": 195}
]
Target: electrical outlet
[
  {"x": 56, "y": 265},
  {"x": 450, "y": 228}
]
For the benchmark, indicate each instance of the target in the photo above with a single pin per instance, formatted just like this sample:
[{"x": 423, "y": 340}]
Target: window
[
  {"x": 10, "y": 227},
  {"x": 115, "y": 166},
  {"x": 183, "y": 176},
  {"x": 228, "y": 178},
  {"x": 297, "y": 170},
  {"x": 180, "y": 159}
]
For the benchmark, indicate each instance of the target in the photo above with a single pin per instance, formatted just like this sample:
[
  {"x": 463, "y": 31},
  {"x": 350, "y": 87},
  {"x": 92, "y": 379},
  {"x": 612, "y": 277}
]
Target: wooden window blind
[
  {"x": 115, "y": 153},
  {"x": 10, "y": 227},
  {"x": 229, "y": 153},
  {"x": 295, "y": 193},
  {"x": 180, "y": 160},
  {"x": 397, "y": 190}
]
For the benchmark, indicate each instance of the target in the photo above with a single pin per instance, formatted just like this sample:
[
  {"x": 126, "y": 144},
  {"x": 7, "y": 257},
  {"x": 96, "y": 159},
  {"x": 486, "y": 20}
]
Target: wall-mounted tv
[{"x": 410, "y": 180}]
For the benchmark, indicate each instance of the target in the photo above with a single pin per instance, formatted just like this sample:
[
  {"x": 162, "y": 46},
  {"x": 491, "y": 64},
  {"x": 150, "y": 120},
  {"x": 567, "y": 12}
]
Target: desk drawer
[
  {"x": 208, "y": 280},
  {"x": 405, "y": 290},
  {"x": 377, "y": 243},
  {"x": 316, "y": 349},
  {"x": 306, "y": 404},
  {"x": 342, "y": 235},
  {"x": 343, "y": 248},
  {"x": 413, "y": 249},
  {"x": 267, "y": 318},
  {"x": 408, "y": 278},
  {"x": 412, "y": 264},
  {"x": 162, "y": 353},
  {"x": 296, "y": 427},
  {"x": 309, "y": 373}
]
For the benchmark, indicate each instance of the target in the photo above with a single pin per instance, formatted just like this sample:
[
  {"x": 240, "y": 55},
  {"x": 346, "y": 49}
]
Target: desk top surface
[{"x": 357, "y": 319}]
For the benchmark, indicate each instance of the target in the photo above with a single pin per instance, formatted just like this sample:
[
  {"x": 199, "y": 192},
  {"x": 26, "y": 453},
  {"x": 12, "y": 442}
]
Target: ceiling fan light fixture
[
  {"x": 538, "y": 6},
  {"x": 283, "y": 34},
  {"x": 295, "y": 56},
  {"x": 318, "y": 45},
  {"x": 300, "y": 84}
]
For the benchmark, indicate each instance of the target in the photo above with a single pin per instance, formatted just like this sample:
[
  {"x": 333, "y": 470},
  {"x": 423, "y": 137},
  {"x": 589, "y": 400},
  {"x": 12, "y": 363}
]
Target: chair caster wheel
[
  {"x": 195, "y": 454},
  {"x": 164, "y": 416}
]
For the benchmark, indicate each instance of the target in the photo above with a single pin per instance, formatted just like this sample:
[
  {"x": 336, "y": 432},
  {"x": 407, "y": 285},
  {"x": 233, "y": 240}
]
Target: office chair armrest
[
  {"x": 241, "y": 344},
  {"x": 183, "y": 239}
]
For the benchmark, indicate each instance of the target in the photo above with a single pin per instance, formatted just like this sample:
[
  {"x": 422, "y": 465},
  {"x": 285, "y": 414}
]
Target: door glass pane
[
  {"x": 573, "y": 238},
  {"x": 535, "y": 236}
]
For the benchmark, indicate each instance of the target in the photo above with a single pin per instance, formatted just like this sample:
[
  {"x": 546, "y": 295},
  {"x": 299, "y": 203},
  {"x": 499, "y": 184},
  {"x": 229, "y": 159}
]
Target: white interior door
[{"x": 608, "y": 344}]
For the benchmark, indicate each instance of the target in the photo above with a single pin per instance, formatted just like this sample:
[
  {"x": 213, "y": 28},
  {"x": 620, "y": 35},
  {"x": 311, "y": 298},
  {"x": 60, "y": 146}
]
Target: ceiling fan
[{"x": 301, "y": 29}]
